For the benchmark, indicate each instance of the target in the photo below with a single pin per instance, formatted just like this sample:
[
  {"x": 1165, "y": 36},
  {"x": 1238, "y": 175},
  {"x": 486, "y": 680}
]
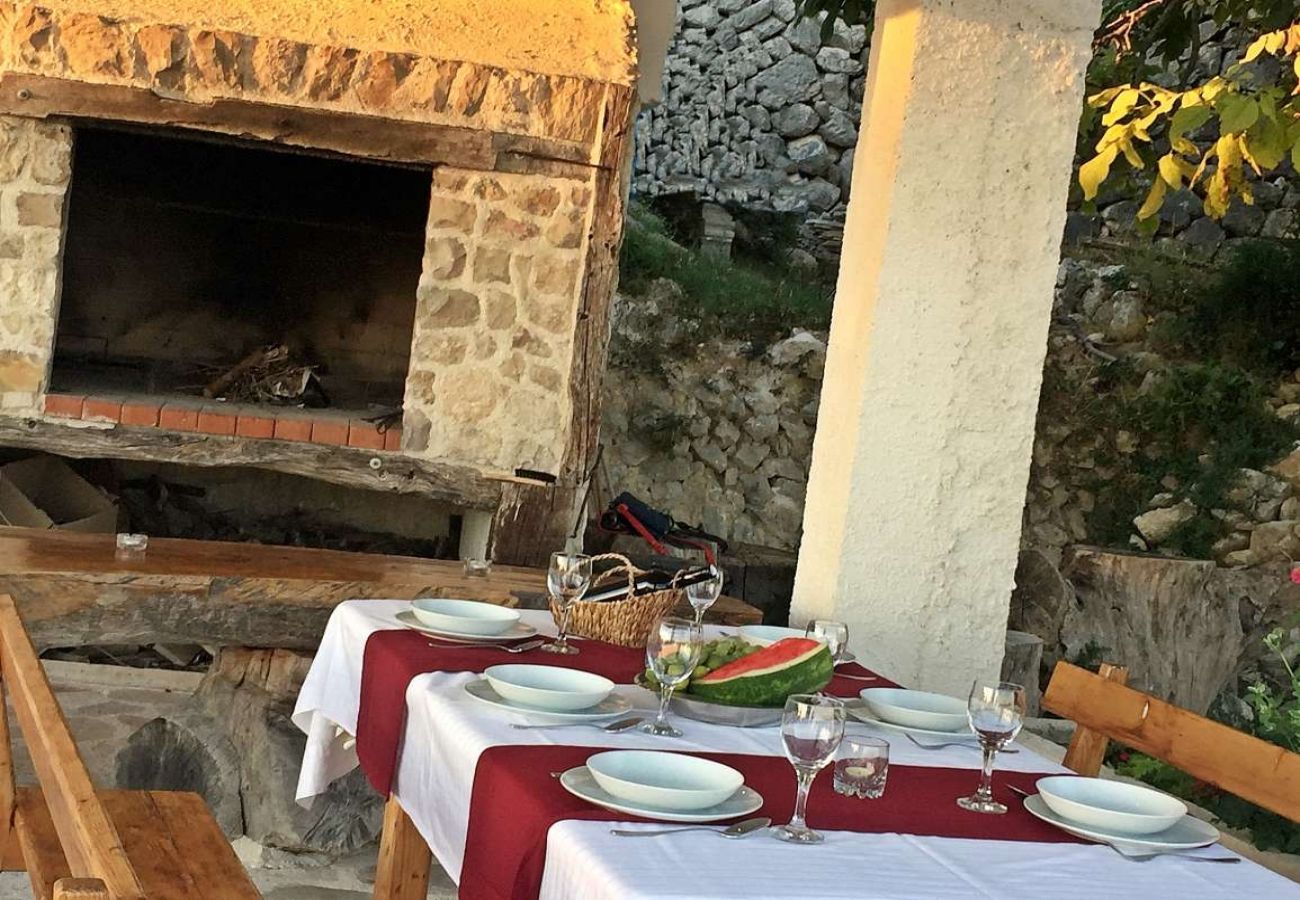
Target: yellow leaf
[
  {"x": 1103, "y": 98},
  {"x": 1184, "y": 146},
  {"x": 1154, "y": 200},
  {"x": 1094, "y": 172},
  {"x": 1130, "y": 153},
  {"x": 1175, "y": 170},
  {"x": 1254, "y": 50},
  {"x": 1122, "y": 106}
]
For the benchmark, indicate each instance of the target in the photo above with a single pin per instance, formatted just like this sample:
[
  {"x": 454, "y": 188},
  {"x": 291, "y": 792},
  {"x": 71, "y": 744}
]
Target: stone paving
[{"x": 106, "y": 704}]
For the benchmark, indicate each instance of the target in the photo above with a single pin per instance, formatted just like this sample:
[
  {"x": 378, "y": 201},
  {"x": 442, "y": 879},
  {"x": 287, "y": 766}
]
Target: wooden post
[
  {"x": 534, "y": 520},
  {"x": 404, "y": 857},
  {"x": 7, "y": 789},
  {"x": 1087, "y": 748},
  {"x": 80, "y": 889}
]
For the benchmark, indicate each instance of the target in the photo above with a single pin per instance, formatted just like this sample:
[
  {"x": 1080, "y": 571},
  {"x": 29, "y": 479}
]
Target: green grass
[{"x": 736, "y": 299}]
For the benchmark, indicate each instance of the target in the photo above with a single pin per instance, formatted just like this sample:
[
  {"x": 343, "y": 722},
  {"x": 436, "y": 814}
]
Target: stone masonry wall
[
  {"x": 493, "y": 339},
  {"x": 756, "y": 111},
  {"x": 35, "y": 162}
]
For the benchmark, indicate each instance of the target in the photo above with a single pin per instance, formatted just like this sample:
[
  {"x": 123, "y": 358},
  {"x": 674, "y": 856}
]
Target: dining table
[{"x": 484, "y": 795}]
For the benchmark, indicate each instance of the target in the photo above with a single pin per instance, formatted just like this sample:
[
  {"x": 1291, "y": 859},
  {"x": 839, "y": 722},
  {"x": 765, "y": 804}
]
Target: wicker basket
[{"x": 623, "y": 622}]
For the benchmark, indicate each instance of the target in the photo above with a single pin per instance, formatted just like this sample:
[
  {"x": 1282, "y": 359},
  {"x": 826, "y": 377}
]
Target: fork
[
  {"x": 1138, "y": 854},
  {"x": 952, "y": 744},
  {"x": 517, "y": 648}
]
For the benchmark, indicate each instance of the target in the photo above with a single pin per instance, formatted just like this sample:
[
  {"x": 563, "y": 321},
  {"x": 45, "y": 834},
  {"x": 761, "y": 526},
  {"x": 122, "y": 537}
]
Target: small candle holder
[
  {"x": 477, "y": 568},
  {"x": 861, "y": 767},
  {"x": 131, "y": 546}
]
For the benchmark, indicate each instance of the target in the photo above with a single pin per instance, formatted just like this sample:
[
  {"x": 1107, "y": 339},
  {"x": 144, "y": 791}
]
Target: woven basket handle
[{"x": 625, "y": 565}]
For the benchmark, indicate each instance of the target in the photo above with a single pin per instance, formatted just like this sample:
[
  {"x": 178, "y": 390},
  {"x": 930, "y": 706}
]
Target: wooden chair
[
  {"x": 1103, "y": 708},
  {"x": 77, "y": 843}
]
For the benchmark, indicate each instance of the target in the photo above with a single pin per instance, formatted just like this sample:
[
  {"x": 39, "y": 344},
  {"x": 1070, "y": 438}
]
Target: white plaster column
[{"x": 921, "y": 456}]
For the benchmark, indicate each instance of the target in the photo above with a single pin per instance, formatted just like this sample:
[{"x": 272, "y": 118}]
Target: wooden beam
[
  {"x": 1255, "y": 770},
  {"x": 404, "y": 858},
  {"x": 1087, "y": 750},
  {"x": 461, "y": 485},
  {"x": 534, "y": 521}
]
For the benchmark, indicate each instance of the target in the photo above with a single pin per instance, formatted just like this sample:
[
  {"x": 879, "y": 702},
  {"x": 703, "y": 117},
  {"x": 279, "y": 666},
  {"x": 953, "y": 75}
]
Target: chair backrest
[
  {"x": 1263, "y": 773},
  {"x": 90, "y": 842}
]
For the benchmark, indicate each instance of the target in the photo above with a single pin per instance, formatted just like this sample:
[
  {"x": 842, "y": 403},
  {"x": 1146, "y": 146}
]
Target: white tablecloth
[{"x": 447, "y": 730}]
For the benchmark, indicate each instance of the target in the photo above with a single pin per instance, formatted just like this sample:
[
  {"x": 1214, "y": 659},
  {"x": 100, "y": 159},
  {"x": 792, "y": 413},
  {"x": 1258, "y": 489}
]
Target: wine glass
[
  {"x": 835, "y": 634},
  {"x": 671, "y": 651},
  {"x": 567, "y": 578},
  {"x": 996, "y": 710},
  {"x": 812, "y": 727},
  {"x": 703, "y": 594}
]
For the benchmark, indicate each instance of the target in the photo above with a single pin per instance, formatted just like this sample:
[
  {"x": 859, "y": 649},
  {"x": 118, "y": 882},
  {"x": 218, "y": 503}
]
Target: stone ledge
[{"x": 201, "y": 66}]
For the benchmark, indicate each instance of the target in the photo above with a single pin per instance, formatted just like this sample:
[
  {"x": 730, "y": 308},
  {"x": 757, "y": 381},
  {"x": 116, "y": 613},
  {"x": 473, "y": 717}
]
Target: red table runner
[
  {"x": 393, "y": 658},
  {"x": 516, "y": 800}
]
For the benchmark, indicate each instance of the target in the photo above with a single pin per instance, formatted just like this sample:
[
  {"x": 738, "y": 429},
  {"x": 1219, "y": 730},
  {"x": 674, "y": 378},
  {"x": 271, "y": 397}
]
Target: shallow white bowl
[
  {"x": 1110, "y": 806},
  {"x": 672, "y": 781},
  {"x": 464, "y": 616},
  {"x": 550, "y": 688},
  {"x": 762, "y": 635},
  {"x": 917, "y": 709}
]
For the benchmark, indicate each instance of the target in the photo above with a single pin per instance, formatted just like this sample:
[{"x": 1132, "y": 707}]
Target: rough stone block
[
  {"x": 492, "y": 265},
  {"x": 446, "y": 212},
  {"x": 556, "y": 276},
  {"x": 443, "y": 308},
  {"x": 444, "y": 258},
  {"x": 40, "y": 210}
]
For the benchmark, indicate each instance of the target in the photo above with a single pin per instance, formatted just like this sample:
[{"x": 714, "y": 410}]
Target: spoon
[
  {"x": 625, "y": 724},
  {"x": 739, "y": 830}
]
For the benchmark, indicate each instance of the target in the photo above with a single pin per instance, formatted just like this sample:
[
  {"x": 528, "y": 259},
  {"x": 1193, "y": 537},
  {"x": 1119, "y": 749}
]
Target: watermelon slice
[{"x": 766, "y": 677}]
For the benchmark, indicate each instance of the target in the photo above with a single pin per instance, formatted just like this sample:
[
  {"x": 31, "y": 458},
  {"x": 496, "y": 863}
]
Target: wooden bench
[
  {"x": 1104, "y": 709},
  {"x": 77, "y": 843}
]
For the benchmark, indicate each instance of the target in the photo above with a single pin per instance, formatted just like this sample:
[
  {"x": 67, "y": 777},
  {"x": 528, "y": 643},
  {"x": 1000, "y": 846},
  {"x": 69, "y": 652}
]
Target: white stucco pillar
[{"x": 921, "y": 456}]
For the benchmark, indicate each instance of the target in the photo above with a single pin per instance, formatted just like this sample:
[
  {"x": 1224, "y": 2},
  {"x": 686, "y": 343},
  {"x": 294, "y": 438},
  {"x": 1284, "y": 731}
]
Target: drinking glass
[
  {"x": 996, "y": 710},
  {"x": 567, "y": 578},
  {"x": 835, "y": 634},
  {"x": 812, "y": 727},
  {"x": 861, "y": 767},
  {"x": 704, "y": 594},
  {"x": 671, "y": 651}
]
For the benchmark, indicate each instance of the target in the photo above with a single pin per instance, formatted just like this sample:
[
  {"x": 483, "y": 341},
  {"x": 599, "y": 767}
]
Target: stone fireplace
[{"x": 421, "y": 208}]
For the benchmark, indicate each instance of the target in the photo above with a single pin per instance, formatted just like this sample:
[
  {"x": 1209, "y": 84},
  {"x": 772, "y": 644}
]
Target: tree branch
[{"x": 1119, "y": 31}]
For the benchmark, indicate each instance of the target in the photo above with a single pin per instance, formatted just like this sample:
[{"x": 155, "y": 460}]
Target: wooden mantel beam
[{"x": 462, "y": 485}]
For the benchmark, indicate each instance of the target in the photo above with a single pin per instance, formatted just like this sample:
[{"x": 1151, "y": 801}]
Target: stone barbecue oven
[{"x": 420, "y": 203}]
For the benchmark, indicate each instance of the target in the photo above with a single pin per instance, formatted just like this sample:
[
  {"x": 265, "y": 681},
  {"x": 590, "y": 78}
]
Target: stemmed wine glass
[
  {"x": 567, "y": 578},
  {"x": 703, "y": 594},
  {"x": 996, "y": 711},
  {"x": 812, "y": 727},
  {"x": 671, "y": 651},
  {"x": 835, "y": 634}
]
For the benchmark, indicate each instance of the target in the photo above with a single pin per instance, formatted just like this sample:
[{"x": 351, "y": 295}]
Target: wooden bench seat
[
  {"x": 170, "y": 837},
  {"x": 77, "y": 843}
]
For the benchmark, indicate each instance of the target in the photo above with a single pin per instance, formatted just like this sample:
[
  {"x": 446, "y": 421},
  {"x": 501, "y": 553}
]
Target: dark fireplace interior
[{"x": 186, "y": 257}]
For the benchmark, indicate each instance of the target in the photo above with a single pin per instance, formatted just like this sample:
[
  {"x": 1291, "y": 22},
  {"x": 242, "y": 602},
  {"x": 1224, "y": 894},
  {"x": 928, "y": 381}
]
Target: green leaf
[
  {"x": 1295, "y": 154},
  {"x": 1094, "y": 171},
  {"x": 1237, "y": 113},
  {"x": 1265, "y": 145},
  {"x": 1188, "y": 118}
]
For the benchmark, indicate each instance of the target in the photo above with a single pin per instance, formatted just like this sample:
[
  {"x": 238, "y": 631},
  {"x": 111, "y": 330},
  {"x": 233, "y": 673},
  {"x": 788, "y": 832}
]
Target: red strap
[{"x": 641, "y": 530}]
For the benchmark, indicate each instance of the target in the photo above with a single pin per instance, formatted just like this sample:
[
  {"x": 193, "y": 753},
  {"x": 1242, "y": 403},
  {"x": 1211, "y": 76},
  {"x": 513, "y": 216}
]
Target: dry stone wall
[
  {"x": 34, "y": 172},
  {"x": 493, "y": 341},
  {"x": 757, "y": 112}
]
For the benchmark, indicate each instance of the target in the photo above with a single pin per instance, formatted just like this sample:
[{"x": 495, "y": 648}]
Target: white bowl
[
  {"x": 671, "y": 781},
  {"x": 917, "y": 709},
  {"x": 762, "y": 635},
  {"x": 551, "y": 688},
  {"x": 464, "y": 616},
  {"x": 1110, "y": 806}
]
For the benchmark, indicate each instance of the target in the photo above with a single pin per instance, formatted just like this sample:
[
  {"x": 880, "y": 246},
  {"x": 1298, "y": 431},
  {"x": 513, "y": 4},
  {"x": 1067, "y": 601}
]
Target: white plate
[
  {"x": 916, "y": 709},
  {"x": 655, "y": 779},
  {"x": 469, "y": 616},
  {"x": 863, "y": 713},
  {"x": 613, "y": 705},
  {"x": 1115, "y": 807},
  {"x": 518, "y": 632},
  {"x": 765, "y": 635},
  {"x": 552, "y": 688},
  {"x": 1188, "y": 833},
  {"x": 579, "y": 782}
]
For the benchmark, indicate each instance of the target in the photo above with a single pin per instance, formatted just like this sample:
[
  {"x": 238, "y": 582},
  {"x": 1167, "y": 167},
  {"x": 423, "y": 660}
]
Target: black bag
[{"x": 628, "y": 515}]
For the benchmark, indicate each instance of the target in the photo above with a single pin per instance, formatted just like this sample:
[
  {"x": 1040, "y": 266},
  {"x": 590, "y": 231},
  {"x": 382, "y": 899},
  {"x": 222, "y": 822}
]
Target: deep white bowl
[
  {"x": 917, "y": 709},
  {"x": 1110, "y": 806},
  {"x": 551, "y": 688},
  {"x": 762, "y": 635},
  {"x": 669, "y": 781},
  {"x": 464, "y": 616}
]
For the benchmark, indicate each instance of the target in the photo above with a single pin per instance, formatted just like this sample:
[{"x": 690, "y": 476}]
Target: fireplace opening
[{"x": 261, "y": 276}]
